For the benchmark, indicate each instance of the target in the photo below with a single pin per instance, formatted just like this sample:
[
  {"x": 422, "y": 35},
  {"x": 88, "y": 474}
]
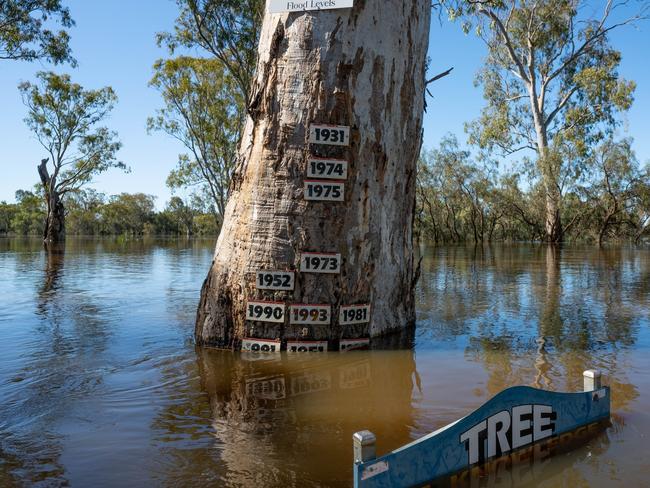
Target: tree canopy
[
  {"x": 203, "y": 110},
  {"x": 551, "y": 83},
  {"x": 24, "y": 32},
  {"x": 65, "y": 117}
]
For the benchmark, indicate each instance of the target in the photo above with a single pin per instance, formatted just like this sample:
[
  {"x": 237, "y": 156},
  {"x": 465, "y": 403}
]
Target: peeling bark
[{"x": 362, "y": 67}]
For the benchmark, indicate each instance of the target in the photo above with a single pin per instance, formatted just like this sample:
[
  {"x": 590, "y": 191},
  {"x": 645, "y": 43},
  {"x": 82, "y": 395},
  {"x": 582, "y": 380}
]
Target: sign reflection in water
[{"x": 98, "y": 368}]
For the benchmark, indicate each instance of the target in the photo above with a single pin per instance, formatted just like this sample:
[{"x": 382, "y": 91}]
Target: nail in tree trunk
[
  {"x": 364, "y": 68},
  {"x": 55, "y": 219}
]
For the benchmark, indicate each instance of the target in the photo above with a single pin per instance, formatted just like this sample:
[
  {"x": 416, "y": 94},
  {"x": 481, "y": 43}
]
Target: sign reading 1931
[
  {"x": 279, "y": 6},
  {"x": 332, "y": 135}
]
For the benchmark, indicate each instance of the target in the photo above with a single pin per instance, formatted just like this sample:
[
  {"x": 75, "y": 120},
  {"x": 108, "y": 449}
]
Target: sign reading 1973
[
  {"x": 332, "y": 135},
  {"x": 279, "y": 6},
  {"x": 313, "y": 262}
]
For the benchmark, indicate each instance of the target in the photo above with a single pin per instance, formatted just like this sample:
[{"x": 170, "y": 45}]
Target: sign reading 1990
[{"x": 279, "y": 6}]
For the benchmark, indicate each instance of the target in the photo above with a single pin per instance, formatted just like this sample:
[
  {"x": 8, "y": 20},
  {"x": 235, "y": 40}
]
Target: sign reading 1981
[
  {"x": 279, "y": 6},
  {"x": 331, "y": 135}
]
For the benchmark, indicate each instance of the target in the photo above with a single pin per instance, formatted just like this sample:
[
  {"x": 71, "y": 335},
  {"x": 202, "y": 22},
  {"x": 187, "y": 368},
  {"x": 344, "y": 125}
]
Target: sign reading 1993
[
  {"x": 279, "y": 6},
  {"x": 331, "y": 135}
]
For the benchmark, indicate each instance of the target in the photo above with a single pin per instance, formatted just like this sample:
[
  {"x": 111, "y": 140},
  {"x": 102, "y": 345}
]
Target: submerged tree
[
  {"x": 24, "y": 32},
  {"x": 551, "y": 83},
  {"x": 204, "y": 111},
  {"x": 65, "y": 117},
  {"x": 363, "y": 68}
]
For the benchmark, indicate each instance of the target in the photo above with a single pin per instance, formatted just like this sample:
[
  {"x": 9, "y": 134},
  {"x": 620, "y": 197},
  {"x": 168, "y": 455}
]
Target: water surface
[{"x": 101, "y": 385}]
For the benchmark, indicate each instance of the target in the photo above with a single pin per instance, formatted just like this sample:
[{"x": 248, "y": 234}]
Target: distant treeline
[
  {"x": 90, "y": 213},
  {"x": 460, "y": 199}
]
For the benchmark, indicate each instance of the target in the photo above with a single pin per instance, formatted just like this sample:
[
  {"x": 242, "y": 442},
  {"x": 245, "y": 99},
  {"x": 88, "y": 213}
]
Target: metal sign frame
[{"x": 535, "y": 416}]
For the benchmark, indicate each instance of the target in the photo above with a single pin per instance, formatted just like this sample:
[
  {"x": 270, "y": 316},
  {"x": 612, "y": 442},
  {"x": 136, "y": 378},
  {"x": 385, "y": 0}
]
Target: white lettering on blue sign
[{"x": 506, "y": 431}]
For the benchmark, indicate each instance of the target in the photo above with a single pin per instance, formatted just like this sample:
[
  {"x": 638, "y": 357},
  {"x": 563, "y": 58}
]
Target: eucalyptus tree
[
  {"x": 25, "y": 32},
  {"x": 551, "y": 83},
  {"x": 618, "y": 188},
  {"x": 362, "y": 68},
  {"x": 227, "y": 29},
  {"x": 65, "y": 119},
  {"x": 203, "y": 110}
]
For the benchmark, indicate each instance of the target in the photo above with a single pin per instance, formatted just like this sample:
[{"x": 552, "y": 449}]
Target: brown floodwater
[{"x": 101, "y": 385}]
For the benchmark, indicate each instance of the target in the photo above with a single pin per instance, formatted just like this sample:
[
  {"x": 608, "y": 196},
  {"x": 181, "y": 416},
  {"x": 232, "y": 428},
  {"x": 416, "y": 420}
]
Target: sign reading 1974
[
  {"x": 331, "y": 135},
  {"x": 279, "y": 6}
]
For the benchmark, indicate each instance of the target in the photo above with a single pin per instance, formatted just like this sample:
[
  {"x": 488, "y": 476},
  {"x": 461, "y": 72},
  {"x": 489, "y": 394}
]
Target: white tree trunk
[{"x": 362, "y": 67}]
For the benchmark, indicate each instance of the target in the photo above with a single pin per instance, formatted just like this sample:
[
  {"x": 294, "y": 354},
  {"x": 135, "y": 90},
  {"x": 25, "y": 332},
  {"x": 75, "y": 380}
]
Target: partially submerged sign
[
  {"x": 280, "y": 6},
  {"x": 515, "y": 419}
]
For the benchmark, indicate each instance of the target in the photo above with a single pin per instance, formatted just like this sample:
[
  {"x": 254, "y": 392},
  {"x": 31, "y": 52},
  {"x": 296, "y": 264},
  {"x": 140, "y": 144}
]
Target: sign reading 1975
[
  {"x": 279, "y": 6},
  {"x": 331, "y": 135}
]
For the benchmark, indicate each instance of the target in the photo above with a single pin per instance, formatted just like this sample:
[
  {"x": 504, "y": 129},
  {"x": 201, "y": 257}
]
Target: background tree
[
  {"x": 65, "y": 117},
  {"x": 128, "y": 214},
  {"x": 618, "y": 189},
  {"x": 24, "y": 32},
  {"x": 228, "y": 29},
  {"x": 203, "y": 110},
  {"x": 551, "y": 83},
  {"x": 28, "y": 216}
]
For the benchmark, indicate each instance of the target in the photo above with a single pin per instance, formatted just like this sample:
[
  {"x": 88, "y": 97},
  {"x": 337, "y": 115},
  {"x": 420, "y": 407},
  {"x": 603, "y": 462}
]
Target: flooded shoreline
[{"x": 101, "y": 383}]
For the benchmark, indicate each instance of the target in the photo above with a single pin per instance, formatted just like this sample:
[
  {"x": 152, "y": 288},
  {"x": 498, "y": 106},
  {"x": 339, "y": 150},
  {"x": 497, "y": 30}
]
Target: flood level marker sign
[
  {"x": 329, "y": 135},
  {"x": 281, "y": 6}
]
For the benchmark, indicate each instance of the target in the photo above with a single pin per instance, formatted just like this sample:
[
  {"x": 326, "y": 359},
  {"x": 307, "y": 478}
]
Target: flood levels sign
[{"x": 280, "y": 6}]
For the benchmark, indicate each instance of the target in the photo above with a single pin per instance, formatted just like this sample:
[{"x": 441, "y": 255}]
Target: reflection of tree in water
[
  {"x": 288, "y": 420},
  {"x": 61, "y": 364}
]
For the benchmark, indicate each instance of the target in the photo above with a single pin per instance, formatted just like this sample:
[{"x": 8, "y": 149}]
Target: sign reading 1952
[
  {"x": 310, "y": 314},
  {"x": 314, "y": 262},
  {"x": 265, "y": 312},
  {"x": 324, "y": 190},
  {"x": 354, "y": 314},
  {"x": 330, "y": 169},
  {"x": 275, "y": 280},
  {"x": 331, "y": 135}
]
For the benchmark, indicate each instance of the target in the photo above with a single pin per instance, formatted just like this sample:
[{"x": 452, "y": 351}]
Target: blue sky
[{"x": 114, "y": 43}]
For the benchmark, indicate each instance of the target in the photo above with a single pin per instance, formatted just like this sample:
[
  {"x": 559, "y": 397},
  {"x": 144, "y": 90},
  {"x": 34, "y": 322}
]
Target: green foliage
[
  {"x": 227, "y": 29},
  {"x": 459, "y": 200},
  {"x": 204, "y": 111},
  {"x": 64, "y": 118},
  {"x": 24, "y": 34},
  {"x": 551, "y": 84},
  {"x": 29, "y": 214}
]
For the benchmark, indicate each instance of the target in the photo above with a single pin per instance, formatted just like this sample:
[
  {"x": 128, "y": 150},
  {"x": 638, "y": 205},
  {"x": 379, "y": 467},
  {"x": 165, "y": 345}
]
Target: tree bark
[
  {"x": 55, "y": 218},
  {"x": 364, "y": 68}
]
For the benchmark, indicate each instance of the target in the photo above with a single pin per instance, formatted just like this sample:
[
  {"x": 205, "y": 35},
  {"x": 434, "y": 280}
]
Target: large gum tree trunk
[{"x": 364, "y": 68}]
